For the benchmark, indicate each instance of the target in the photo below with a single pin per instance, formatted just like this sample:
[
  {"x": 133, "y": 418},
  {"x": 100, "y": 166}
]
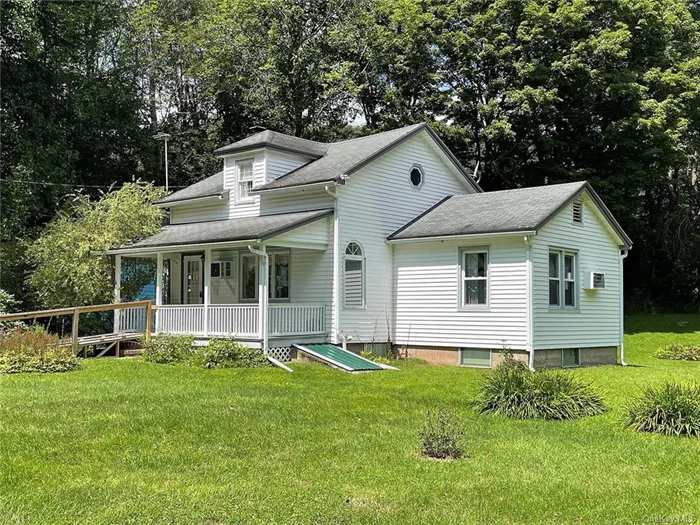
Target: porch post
[
  {"x": 159, "y": 287},
  {"x": 117, "y": 289},
  {"x": 262, "y": 295},
  {"x": 207, "y": 289}
]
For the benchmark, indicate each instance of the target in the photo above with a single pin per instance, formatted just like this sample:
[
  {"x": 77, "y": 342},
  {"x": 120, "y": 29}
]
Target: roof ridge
[{"x": 418, "y": 124}]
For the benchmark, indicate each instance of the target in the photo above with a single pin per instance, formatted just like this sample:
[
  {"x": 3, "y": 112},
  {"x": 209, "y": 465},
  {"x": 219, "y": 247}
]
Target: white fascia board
[{"x": 462, "y": 237}]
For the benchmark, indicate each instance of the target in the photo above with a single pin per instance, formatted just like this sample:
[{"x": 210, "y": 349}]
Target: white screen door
[{"x": 194, "y": 290}]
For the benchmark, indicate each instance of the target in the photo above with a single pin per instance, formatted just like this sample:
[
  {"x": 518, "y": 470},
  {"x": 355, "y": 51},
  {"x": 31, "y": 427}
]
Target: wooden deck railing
[{"x": 76, "y": 311}]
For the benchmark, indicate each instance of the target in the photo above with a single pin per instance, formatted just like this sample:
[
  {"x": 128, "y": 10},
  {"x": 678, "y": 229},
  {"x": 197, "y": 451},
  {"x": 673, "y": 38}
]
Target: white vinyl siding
[
  {"x": 199, "y": 212},
  {"x": 311, "y": 279},
  {"x": 595, "y": 320},
  {"x": 374, "y": 202},
  {"x": 427, "y": 295},
  {"x": 280, "y": 163},
  {"x": 300, "y": 200}
]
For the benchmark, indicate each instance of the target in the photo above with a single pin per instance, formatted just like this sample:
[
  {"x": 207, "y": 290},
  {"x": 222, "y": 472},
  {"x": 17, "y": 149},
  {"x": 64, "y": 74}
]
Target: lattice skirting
[{"x": 281, "y": 353}]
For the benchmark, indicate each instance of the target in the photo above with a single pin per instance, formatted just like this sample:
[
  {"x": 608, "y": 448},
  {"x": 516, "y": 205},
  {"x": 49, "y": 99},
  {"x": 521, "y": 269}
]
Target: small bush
[
  {"x": 168, "y": 349},
  {"x": 517, "y": 392},
  {"x": 442, "y": 436},
  {"x": 219, "y": 353},
  {"x": 34, "y": 351},
  {"x": 681, "y": 352},
  {"x": 385, "y": 360},
  {"x": 672, "y": 409},
  {"x": 227, "y": 353}
]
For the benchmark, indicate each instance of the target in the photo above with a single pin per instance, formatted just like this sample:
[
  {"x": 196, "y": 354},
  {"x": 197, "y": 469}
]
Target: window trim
[
  {"x": 363, "y": 276},
  {"x": 461, "y": 278},
  {"x": 241, "y": 268},
  {"x": 463, "y": 348},
  {"x": 562, "y": 307},
  {"x": 578, "y": 358},
  {"x": 422, "y": 176},
  {"x": 272, "y": 254},
  {"x": 237, "y": 193}
]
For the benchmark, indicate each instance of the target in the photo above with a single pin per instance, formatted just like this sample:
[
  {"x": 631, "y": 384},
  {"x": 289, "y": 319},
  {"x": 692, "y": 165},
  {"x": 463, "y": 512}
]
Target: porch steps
[{"x": 338, "y": 358}]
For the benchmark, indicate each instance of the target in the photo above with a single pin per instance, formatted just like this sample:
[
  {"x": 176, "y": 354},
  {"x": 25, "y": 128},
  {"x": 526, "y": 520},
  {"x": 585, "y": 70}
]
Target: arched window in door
[{"x": 354, "y": 291}]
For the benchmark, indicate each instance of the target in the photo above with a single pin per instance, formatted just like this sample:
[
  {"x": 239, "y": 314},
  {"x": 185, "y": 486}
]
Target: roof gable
[
  {"x": 499, "y": 212},
  {"x": 346, "y": 157}
]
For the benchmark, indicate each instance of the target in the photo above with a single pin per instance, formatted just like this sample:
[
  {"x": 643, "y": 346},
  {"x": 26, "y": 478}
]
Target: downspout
[
  {"x": 623, "y": 256},
  {"x": 262, "y": 295},
  {"x": 529, "y": 310},
  {"x": 336, "y": 265}
]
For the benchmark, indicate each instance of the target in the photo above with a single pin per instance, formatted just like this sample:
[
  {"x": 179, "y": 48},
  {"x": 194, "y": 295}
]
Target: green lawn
[{"x": 123, "y": 441}]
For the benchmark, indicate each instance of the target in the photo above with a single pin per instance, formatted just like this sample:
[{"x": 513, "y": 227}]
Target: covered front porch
[{"x": 266, "y": 290}]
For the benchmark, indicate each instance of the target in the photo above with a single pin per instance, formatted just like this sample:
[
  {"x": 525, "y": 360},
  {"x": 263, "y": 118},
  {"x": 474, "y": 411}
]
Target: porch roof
[{"x": 244, "y": 229}]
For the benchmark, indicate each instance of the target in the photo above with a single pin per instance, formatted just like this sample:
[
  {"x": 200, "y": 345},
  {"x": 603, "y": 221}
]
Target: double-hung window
[
  {"x": 563, "y": 279},
  {"x": 474, "y": 277},
  {"x": 244, "y": 182}
]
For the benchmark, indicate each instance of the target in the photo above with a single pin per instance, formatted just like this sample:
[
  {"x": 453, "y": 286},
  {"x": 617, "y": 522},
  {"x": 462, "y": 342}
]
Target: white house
[{"x": 386, "y": 239}]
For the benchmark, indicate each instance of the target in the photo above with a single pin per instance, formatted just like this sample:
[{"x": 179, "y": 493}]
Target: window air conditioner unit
[{"x": 596, "y": 281}]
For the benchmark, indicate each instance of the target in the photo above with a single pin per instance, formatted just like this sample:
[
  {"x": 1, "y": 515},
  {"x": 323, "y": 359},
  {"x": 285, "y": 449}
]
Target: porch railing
[
  {"x": 291, "y": 319},
  {"x": 238, "y": 320},
  {"x": 241, "y": 320}
]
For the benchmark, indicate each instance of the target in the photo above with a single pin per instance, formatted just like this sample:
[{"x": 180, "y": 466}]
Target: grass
[{"x": 123, "y": 441}]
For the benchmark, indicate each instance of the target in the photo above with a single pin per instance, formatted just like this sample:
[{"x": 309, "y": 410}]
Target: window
[
  {"x": 354, "y": 276},
  {"x": 416, "y": 176},
  {"x": 244, "y": 174},
  {"x": 221, "y": 269},
  {"x": 474, "y": 274},
  {"x": 570, "y": 357},
  {"x": 279, "y": 276},
  {"x": 577, "y": 212},
  {"x": 563, "y": 279},
  {"x": 249, "y": 277},
  {"x": 475, "y": 357}
]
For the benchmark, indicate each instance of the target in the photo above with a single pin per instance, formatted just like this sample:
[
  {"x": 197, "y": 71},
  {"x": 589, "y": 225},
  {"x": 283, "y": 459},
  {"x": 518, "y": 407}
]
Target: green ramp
[{"x": 339, "y": 358}]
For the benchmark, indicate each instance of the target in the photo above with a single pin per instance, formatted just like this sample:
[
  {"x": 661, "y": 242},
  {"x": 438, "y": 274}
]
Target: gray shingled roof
[
  {"x": 273, "y": 139},
  {"x": 525, "y": 209},
  {"x": 241, "y": 229},
  {"x": 209, "y": 187},
  {"x": 342, "y": 158}
]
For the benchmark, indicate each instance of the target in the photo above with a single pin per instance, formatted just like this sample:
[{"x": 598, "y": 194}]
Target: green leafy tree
[{"x": 68, "y": 273}]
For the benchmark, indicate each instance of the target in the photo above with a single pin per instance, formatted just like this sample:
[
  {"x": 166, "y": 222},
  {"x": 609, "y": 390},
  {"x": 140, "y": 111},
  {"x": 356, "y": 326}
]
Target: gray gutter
[
  {"x": 222, "y": 152},
  {"x": 222, "y": 195}
]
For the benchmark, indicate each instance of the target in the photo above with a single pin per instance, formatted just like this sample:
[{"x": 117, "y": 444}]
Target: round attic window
[{"x": 416, "y": 176}]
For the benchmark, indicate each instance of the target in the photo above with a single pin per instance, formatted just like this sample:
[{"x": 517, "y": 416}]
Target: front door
[{"x": 193, "y": 279}]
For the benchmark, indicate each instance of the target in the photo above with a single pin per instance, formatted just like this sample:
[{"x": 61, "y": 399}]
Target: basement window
[
  {"x": 570, "y": 357},
  {"x": 478, "y": 357}
]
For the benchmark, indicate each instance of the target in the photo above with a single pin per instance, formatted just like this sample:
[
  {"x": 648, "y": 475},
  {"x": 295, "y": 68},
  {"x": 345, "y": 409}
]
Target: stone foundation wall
[
  {"x": 587, "y": 357},
  {"x": 432, "y": 354}
]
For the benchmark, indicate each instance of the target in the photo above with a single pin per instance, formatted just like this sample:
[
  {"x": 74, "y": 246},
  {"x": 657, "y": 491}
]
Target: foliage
[
  {"x": 683, "y": 352},
  {"x": 34, "y": 351},
  {"x": 67, "y": 271},
  {"x": 219, "y": 353},
  {"x": 7, "y": 302},
  {"x": 534, "y": 91},
  {"x": 383, "y": 359},
  {"x": 520, "y": 393},
  {"x": 442, "y": 436},
  {"x": 672, "y": 409},
  {"x": 167, "y": 349}
]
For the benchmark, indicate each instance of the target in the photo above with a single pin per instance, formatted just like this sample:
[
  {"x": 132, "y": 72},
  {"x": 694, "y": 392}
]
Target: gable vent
[{"x": 577, "y": 212}]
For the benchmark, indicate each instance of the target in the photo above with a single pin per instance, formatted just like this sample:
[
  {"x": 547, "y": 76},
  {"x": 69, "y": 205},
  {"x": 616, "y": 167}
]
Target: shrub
[
  {"x": 378, "y": 358},
  {"x": 683, "y": 352},
  {"x": 219, "y": 353},
  {"x": 34, "y": 351},
  {"x": 168, "y": 349},
  {"x": 672, "y": 409},
  {"x": 442, "y": 436},
  {"x": 517, "y": 392},
  {"x": 227, "y": 353}
]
